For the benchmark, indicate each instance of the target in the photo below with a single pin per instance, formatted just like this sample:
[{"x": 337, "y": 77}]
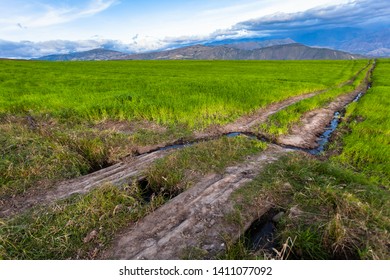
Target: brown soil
[
  {"x": 305, "y": 135},
  {"x": 195, "y": 218}
]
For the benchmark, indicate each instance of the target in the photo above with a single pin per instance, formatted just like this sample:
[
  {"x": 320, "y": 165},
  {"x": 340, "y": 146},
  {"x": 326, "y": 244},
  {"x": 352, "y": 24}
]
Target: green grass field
[
  {"x": 196, "y": 94},
  {"x": 342, "y": 203},
  {"x": 367, "y": 147}
]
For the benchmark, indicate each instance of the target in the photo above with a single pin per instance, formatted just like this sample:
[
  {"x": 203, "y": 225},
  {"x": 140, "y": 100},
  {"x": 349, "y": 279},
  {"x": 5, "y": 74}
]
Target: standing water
[{"x": 324, "y": 138}]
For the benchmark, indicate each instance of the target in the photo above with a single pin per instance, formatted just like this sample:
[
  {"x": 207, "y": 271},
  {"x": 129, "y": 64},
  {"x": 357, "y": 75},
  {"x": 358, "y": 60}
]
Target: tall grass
[
  {"x": 367, "y": 147},
  {"x": 194, "y": 93},
  {"x": 330, "y": 211}
]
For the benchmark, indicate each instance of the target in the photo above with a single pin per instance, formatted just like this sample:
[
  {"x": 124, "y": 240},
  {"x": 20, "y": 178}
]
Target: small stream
[
  {"x": 325, "y": 136},
  {"x": 322, "y": 141},
  {"x": 334, "y": 123}
]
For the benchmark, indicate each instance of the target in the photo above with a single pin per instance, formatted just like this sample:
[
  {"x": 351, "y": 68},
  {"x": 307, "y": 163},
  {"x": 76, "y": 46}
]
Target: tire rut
[{"x": 195, "y": 218}]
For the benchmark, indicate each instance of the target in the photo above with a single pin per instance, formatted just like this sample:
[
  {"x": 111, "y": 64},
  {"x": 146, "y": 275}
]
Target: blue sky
[
  {"x": 42, "y": 20},
  {"x": 150, "y": 24}
]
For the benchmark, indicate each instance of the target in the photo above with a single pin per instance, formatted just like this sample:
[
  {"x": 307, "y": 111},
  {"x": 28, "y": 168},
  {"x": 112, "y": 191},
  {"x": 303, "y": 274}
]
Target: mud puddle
[{"x": 324, "y": 138}]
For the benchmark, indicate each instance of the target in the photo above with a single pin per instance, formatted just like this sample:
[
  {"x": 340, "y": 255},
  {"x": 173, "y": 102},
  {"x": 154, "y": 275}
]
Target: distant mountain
[
  {"x": 96, "y": 54},
  {"x": 376, "y": 43},
  {"x": 231, "y": 51},
  {"x": 252, "y": 44},
  {"x": 293, "y": 51},
  {"x": 371, "y": 42}
]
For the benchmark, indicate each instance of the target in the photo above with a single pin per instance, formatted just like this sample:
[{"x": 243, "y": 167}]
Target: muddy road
[{"x": 195, "y": 218}]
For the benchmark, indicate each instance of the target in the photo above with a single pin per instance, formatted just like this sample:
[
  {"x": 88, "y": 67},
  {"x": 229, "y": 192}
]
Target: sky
[{"x": 44, "y": 26}]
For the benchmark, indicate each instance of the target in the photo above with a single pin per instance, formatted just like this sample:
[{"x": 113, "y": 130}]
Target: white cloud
[
  {"x": 44, "y": 15},
  {"x": 353, "y": 13}
]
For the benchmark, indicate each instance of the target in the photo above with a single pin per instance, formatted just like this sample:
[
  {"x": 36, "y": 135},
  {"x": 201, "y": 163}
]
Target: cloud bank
[
  {"x": 28, "y": 49},
  {"x": 352, "y": 14}
]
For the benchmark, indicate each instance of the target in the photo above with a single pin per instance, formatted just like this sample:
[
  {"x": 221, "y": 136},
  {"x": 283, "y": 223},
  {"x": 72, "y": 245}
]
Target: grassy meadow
[
  {"x": 196, "y": 94},
  {"x": 367, "y": 147},
  {"x": 337, "y": 207}
]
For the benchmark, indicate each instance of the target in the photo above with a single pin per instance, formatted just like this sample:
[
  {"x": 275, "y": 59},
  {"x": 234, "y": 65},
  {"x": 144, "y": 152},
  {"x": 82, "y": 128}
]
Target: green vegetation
[
  {"x": 52, "y": 151},
  {"x": 77, "y": 228},
  {"x": 193, "y": 93},
  {"x": 173, "y": 174},
  {"x": 280, "y": 123},
  {"x": 338, "y": 208},
  {"x": 367, "y": 147},
  {"x": 331, "y": 212}
]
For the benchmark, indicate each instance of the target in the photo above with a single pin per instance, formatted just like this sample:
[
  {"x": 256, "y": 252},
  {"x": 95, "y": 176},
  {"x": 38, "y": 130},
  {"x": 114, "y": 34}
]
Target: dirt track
[
  {"x": 305, "y": 134},
  {"x": 243, "y": 124},
  {"x": 195, "y": 218}
]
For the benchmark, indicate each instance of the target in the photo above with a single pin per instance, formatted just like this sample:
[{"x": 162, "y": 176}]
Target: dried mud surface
[{"x": 195, "y": 218}]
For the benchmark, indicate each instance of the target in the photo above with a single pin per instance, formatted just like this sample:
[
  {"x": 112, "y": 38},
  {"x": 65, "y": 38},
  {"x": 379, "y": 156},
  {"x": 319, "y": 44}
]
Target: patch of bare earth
[{"x": 195, "y": 218}]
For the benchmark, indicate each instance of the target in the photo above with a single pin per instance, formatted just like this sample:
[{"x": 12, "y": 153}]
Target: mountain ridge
[
  {"x": 288, "y": 51},
  {"x": 94, "y": 54}
]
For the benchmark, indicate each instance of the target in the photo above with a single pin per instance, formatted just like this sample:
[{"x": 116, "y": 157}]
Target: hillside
[{"x": 96, "y": 54}]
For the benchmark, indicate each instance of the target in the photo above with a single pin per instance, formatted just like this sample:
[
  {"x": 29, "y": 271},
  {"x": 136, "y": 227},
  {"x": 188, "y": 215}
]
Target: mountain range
[
  {"x": 96, "y": 54},
  {"x": 285, "y": 49}
]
